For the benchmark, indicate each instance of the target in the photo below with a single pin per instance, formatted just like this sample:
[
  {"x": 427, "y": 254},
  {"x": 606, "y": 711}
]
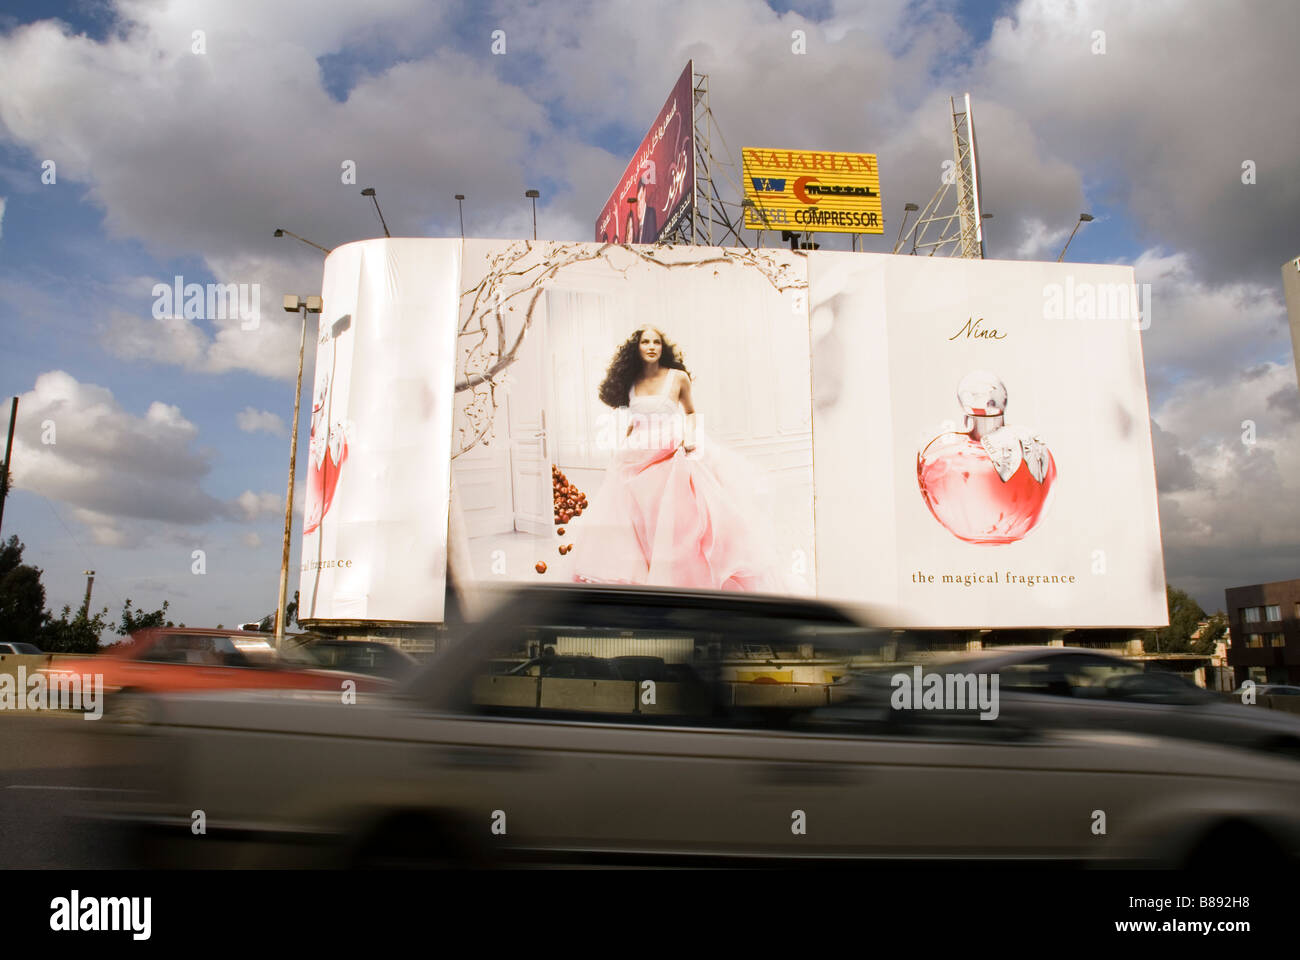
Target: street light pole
[
  {"x": 907, "y": 208},
  {"x": 9, "y": 454},
  {"x": 303, "y": 305},
  {"x": 533, "y": 195},
  {"x": 1083, "y": 218},
  {"x": 460, "y": 205},
  {"x": 370, "y": 192},
  {"x": 90, "y": 582},
  {"x": 289, "y": 233}
]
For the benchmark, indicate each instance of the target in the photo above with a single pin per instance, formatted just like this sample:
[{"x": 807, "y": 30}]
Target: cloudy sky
[{"x": 133, "y": 150}]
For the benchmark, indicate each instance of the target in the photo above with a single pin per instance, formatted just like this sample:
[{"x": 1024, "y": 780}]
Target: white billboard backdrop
[
  {"x": 826, "y": 385},
  {"x": 1039, "y": 513},
  {"x": 381, "y": 426}
]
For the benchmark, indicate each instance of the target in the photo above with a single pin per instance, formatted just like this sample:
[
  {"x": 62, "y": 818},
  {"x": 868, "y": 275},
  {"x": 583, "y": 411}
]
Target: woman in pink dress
[{"x": 675, "y": 508}]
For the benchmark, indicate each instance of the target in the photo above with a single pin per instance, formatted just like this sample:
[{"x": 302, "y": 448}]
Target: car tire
[
  {"x": 128, "y": 708},
  {"x": 1288, "y": 747},
  {"x": 410, "y": 840},
  {"x": 1230, "y": 845}
]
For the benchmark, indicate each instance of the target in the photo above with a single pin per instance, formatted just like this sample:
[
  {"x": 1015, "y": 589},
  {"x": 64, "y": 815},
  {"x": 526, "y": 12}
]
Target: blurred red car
[{"x": 188, "y": 659}]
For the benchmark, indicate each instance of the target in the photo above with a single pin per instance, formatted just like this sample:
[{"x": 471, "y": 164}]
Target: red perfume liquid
[
  {"x": 964, "y": 492},
  {"x": 321, "y": 481}
]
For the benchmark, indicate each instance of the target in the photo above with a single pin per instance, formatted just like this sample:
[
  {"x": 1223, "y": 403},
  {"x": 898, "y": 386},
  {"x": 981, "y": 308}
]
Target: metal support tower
[
  {"x": 960, "y": 231},
  {"x": 711, "y": 221}
]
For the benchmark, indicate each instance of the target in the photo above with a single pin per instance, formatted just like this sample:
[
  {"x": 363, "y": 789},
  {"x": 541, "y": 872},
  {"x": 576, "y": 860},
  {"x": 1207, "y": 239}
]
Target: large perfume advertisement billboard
[
  {"x": 964, "y": 443},
  {"x": 654, "y": 196},
  {"x": 983, "y": 442}
]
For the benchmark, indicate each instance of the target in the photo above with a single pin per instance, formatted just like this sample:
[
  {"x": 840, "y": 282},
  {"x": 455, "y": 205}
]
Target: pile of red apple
[{"x": 569, "y": 500}]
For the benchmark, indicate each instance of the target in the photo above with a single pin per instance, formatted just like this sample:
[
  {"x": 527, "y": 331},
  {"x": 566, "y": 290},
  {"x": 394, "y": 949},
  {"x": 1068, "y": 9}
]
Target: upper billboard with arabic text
[{"x": 655, "y": 194}]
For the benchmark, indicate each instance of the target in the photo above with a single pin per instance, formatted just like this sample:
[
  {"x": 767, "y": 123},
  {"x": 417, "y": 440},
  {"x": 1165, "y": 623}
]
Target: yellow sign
[{"x": 812, "y": 191}]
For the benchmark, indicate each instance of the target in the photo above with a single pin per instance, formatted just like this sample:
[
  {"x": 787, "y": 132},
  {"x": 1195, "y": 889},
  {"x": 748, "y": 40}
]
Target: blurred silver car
[
  {"x": 1087, "y": 689},
  {"x": 728, "y": 760}
]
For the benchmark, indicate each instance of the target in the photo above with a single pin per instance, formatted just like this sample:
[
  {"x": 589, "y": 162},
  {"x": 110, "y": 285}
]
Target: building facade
[{"x": 1264, "y": 623}]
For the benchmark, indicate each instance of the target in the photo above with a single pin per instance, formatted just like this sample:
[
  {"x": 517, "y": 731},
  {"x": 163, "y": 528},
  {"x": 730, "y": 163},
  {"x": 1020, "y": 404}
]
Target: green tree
[
  {"x": 73, "y": 634},
  {"x": 133, "y": 620},
  {"x": 22, "y": 596},
  {"x": 1212, "y": 634},
  {"x": 1185, "y": 614},
  {"x": 267, "y": 623}
]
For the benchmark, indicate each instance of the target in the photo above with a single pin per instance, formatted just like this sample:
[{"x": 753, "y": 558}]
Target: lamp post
[
  {"x": 767, "y": 224},
  {"x": 983, "y": 217},
  {"x": 370, "y": 192},
  {"x": 9, "y": 454},
  {"x": 1083, "y": 218},
  {"x": 460, "y": 206},
  {"x": 907, "y": 208},
  {"x": 303, "y": 305},
  {"x": 289, "y": 233},
  {"x": 90, "y": 582},
  {"x": 533, "y": 195}
]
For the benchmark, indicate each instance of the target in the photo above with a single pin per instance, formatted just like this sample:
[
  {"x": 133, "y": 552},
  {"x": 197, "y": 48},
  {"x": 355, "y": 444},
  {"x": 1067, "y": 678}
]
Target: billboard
[
  {"x": 964, "y": 442},
  {"x": 660, "y": 180},
  {"x": 812, "y": 190},
  {"x": 374, "y": 544}
]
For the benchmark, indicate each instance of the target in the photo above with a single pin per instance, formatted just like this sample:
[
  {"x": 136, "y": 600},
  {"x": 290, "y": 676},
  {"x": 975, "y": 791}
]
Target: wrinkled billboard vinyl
[{"x": 966, "y": 443}]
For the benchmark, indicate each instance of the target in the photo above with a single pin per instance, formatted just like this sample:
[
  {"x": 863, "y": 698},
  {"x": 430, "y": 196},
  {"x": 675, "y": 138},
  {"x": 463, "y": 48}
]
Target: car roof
[{"x": 766, "y": 604}]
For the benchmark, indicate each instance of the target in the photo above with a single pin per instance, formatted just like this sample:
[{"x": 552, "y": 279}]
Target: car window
[
  {"x": 661, "y": 663},
  {"x": 1089, "y": 677},
  {"x": 1034, "y": 677}
]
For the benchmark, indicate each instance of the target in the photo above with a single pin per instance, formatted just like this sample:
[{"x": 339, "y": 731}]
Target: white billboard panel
[
  {"x": 375, "y": 515},
  {"x": 983, "y": 442},
  {"x": 965, "y": 442}
]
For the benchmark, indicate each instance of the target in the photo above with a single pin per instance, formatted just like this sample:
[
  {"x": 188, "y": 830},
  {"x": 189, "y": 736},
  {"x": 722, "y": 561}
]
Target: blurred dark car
[
  {"x": 21, "y": 649},
  {"x": 469, "y": 765},
  {"x": 1080, "y": 688},
  {"x": 370, "y": 657},
  {"x": 1269, "y": 690}
]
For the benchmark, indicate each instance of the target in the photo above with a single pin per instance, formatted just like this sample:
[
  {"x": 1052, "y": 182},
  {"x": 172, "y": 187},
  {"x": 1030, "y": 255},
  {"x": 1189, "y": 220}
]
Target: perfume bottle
[
  {"x": 989, "y": 483},
  {"x": 328, "y": 449}
]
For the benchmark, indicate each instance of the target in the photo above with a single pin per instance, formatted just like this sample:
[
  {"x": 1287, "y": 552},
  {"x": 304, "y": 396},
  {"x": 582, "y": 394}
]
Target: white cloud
[
  {"x": 3, "y": 203},
  {"x": 251, "y": 421},
  {"x": 253, "y": 506},
  {"x": 75, "y": 443},
  {"x": 130, "y": 479}
]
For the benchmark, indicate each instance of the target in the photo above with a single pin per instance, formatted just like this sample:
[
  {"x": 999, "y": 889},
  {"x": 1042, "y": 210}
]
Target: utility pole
[
  {"x": 9, "y": 452},
  {"x": 90, "y": 582},
  {"x": 303, "y": 305}
]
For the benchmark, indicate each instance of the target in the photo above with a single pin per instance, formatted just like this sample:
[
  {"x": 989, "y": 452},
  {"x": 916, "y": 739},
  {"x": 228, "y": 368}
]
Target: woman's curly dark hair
[{"x": 625, "y": 368}]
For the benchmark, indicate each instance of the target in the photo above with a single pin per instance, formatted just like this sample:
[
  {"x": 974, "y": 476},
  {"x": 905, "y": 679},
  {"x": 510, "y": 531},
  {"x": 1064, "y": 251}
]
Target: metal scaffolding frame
[
  {"x": 710, "y": 217},
  {"x": 961, "y": 231}
]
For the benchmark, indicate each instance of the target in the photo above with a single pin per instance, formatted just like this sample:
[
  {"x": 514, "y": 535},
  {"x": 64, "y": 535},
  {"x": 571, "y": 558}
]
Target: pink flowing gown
[{"x": 668, "y": 518}]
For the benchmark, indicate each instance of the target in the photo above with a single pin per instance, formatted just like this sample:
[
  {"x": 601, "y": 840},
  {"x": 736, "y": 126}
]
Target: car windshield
[{"x": 25, "y": 648}]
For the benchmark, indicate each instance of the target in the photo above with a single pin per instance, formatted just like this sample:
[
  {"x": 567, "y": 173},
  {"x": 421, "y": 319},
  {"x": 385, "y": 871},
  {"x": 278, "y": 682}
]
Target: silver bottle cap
[{"x": 981, "y": 394}]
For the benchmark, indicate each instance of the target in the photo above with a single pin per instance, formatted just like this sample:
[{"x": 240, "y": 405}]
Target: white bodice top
[{"x": 660, "y": 403}]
